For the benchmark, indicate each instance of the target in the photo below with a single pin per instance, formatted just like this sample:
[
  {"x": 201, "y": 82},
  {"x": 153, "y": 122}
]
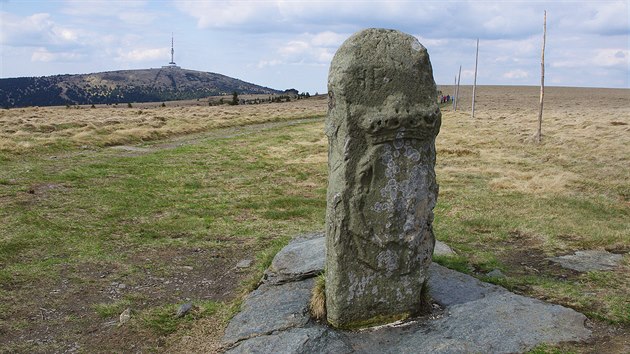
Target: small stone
[
  {"x": 442, "y": 249},
  {"x": 245, "y": 263},
  {"x": 496, "y": 273},
  {"x": 122, "y": 286},
  {"x": 124, "y": 317},
  {"x": 187, "y": 268},
  {"x": 183, "y": 309}
]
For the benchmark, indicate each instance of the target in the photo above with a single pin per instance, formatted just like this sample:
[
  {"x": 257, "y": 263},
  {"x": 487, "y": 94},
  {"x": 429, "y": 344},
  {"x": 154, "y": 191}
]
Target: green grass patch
[
  {"x": 106, "y": 310},
  {"x": 110, "y": 208},
  {"x": 163, "y": 320},
  {"x": 549, "y": 349},
  {"x": 457, "y": 263}
]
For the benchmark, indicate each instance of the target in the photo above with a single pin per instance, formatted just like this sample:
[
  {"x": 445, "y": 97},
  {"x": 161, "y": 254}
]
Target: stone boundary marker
[
  {"x": 382, "y": 121},
  {"x": 475, "y": 317}
]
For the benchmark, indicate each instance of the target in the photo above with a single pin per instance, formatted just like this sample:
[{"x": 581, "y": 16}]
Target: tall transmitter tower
[{"x": 172, "y": 62}]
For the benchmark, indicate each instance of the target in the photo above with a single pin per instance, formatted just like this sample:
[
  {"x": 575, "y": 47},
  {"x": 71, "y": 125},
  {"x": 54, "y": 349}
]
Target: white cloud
[
  {"x": 294, "y": 48},
  {"x": 35, "y": 30},
  {"x": 43, "y": 55},
  {"x": 268, "y": 63},
  {"x": 307, "y": 48},
  {"x": 227, "y": 14},
  {"x": 468, "y": 73},
  {"x": 516, "y": 74},
  {"x": 432, "y": 42},
  {"x": 328, "y": 39},
  {"x": 131, "y": 12},
  {"x": 603, "y": 18},
  {"x": 612, "y": 57},
  {"x": 607, "y": 57},
  {"x": 139, "y": 55}
]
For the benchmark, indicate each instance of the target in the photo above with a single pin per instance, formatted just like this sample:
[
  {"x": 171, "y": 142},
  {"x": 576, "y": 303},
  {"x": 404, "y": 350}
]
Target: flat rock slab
[
  {"x": 477, "y": 318},
  {"x": 586, "y": 261},
  {"x": 269, "y": 309},
  {"x": 303, "y": 258},
  {"x": 448, "y": 287},
  {"x": 505, "y": 323}
]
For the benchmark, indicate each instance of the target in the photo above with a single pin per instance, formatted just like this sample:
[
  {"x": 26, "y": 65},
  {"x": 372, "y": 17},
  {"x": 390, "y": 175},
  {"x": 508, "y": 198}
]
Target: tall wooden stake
[
  {"x": 475, "y": 82},
  {"x": 542, "y": 81},
  {"x": 453, "y": 97},
  {"x": 459, "y": 76}
]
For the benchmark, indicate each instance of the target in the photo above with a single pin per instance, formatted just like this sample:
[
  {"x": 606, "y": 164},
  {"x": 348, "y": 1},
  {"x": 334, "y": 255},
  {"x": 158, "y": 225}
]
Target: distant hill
[{"x": 147, "y": 85}]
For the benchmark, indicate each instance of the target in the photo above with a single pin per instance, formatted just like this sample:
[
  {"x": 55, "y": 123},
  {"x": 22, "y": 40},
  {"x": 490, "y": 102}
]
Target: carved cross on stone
[{"x": 382, "y": 122}]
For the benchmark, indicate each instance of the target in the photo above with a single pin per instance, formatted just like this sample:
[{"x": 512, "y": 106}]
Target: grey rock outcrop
[
  {"x": 381, "y": 126},
  {"x": 477, "y": 317},
  {"x": 271, "y": 308}
]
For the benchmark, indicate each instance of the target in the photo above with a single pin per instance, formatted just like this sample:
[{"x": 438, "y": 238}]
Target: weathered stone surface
[
  {"x": 302, "y": 258},
  {"x": 381, "y": 126},
  {"x": 271, "y": 308},
  {"x": 315, "y": 339},
  {"x": 448, "y": 287},
  {"x": 504, "y": 323},
  {"x": 586, "y": 261}
]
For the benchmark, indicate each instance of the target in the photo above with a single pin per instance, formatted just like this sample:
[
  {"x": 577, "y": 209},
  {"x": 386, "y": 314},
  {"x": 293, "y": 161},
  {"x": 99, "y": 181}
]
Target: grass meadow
[{"x": 106, "y": 209}]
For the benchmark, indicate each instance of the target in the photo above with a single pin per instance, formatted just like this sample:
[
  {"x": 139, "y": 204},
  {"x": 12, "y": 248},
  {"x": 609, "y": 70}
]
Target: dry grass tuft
[{"x": 317, "y": 305}]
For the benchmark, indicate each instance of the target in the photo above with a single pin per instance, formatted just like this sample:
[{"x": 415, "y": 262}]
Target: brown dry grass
[
  {"x": 24, "y": 130},
  {"x": 317, "y": 305},
  {"x": 586, "y": 138}
]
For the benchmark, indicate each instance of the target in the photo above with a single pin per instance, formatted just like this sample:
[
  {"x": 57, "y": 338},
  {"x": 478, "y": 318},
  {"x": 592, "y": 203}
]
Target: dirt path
[{"x": 192, "y": 139}]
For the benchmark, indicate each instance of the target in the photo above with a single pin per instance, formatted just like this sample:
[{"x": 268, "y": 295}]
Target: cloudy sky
[{"x": 290, "y": 43}]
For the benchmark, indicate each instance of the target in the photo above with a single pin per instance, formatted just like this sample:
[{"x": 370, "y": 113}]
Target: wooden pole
[
  {"x": 475, "y": 82},
  {"x": 542, "y": 81},
  {"x": 453, "y": 97},
  {"x": 459, "y": 76}
]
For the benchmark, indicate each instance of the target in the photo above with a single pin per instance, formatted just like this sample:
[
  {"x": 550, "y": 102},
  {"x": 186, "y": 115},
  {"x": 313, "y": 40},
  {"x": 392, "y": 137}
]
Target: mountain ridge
[{"x": 169, "y": 83}]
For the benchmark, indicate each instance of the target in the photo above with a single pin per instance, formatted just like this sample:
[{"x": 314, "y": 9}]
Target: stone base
[{"x": 475, "y": 317}]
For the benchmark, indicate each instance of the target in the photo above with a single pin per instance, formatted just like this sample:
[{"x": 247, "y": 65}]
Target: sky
[{"x": 286, "y": 44}]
